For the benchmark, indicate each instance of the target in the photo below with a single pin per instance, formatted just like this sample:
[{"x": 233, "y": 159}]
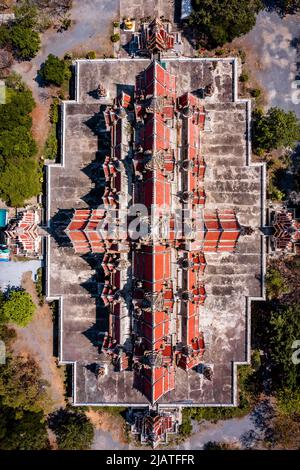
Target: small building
[
  {"x": 286, "y": 231},
  {"x": 154, "y": 427},
  {"x": 23, "y": 236},
  {"x": 154, "y": 37}
]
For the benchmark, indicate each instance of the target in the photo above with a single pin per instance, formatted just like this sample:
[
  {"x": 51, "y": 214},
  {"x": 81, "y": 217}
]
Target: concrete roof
[{"x": 231, "y": 182}]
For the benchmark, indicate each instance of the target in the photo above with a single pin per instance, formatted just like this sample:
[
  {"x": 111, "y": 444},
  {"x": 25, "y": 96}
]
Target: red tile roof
[{"x": 156, "y": 350}]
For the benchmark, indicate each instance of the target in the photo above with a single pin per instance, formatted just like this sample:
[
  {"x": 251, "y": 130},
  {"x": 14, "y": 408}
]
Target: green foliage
[
  {"x": 4, "y": 35},
  {"x": 14, "y": 82},
  {"x": 65, "y": 24},
  {"x": 274, "y": 193},
  {"x": 248, "y": 380},
  {"x": 285, "y": 7},
  {"x": 7, "y": 335},
  {"x": 21, "y": 385},
  {"x": 73, "y": 430},
  {"x": 19, "y": 171},
  {"x": 255, "y": 92},
  {"x": 185, "y": 429},
  {"x": 274, "y": 130},
  {"x": 54, "y": 70},
  {"x": 116, "y": 24},
  {"x": 17, "y": 143},
  {"x": 288, "y": 401},
  {"x": 242, "y": 55},
  {"x": 115, "y": 37},
  {"x": 26, "y": 41},
  {"x": 113, "y": 410},
  {"x": 218, "y": 22},
  {"x": 220, "y": 52},
  {"x": 51, "y": 145},
  {"x": 18, "y": 308},
  {"x": 23, "y": 396},
  {"x": 282, "y": 330},
  {"x": 91, "y": 55},
  {"x": 31, "y": 427},
  {"x": 19, "y": 181},
  {"x": 54, "y": 111},
  {"x": 23, "y": 34},
  {"x": 244, "y": 77},
  {"x": 276, "y": 285},
  {"x": 39, "y": 286},
  {"x": 16, "y": 111},
  {"x": 26, "y": 14}
]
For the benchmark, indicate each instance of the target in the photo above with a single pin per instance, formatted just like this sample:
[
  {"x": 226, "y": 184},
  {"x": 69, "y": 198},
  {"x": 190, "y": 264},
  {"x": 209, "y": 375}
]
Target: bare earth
[
  {"x": 107, "y": 425},
  {"x": 37, "y": 340},
  {"x": 91, "y": 30},
  {"x": 273, "y": 58}
]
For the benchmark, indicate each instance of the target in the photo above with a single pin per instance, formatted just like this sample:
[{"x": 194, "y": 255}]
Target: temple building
[
  {"x": 22, "y": 234},
  {"x": 156, "y": 36},
  {"x": 153, "y": 428},
  {"x": 286, "y": 232},
  {"x": 155, "y": 249},
  {"x": 153, "y": 285}
]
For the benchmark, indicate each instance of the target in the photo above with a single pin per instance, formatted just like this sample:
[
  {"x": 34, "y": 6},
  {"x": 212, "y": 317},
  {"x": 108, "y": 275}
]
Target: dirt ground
[
  {"x": 273, "y": 58},
  {"x": 90, "y": 30},
  {"x": 107, "y": 422},
  {"x": 37, "y": 340}
]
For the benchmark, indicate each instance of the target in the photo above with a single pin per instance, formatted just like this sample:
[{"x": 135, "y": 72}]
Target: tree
[
  {"x": 21, "y": 385},
  {"x": 286, "y": 7},
  {"x": 73, "y": 429},
  {"x": 18, "y": 308},
  {"x": 276, "y": 285},
  {"x": 26, "y": 14},
  {"x": 23, "y": 34},
  {"x": 283, "y": 329},
  {"x": 17, "y": 142},
  {"x": 54, "y": 70},
  {"x": 31, "y": 427},
  {"x": 186, "y": 428},
  {"x": 4, "y": 35},
  {"x": 19, "y": 181},
  {"x": 19, "y": 171},
  {"x": 288, "y": 401},
  {"x": 216, "y": 22},
  {"x": 26, "y": 41},
  {"x": 16, "y": 111},
  {"x": 274, "y": 130}
]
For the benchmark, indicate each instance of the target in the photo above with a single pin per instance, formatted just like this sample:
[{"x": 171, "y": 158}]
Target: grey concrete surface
[
  {"x": 276, "y": 58},
  {"x": 11, "y": 273}
]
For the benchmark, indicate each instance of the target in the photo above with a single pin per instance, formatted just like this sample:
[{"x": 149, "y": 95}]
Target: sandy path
[{"x": 37, "y": 339}]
